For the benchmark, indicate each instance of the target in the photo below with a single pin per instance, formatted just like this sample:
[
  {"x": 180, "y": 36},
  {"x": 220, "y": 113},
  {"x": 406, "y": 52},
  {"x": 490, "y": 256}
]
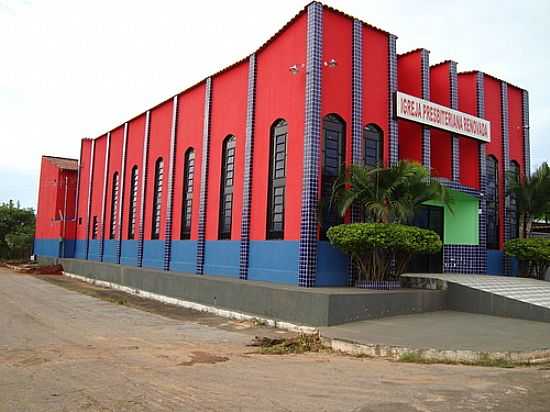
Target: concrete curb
[
  {"x": 198, "y": 306},
  {"x": 435, "y": 355}
]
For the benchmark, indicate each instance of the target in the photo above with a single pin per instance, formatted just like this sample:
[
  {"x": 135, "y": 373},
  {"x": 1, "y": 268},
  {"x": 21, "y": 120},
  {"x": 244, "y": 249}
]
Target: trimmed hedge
[
  {"x": 533, "y": 254},
  {"x": 375, "y": 246}
]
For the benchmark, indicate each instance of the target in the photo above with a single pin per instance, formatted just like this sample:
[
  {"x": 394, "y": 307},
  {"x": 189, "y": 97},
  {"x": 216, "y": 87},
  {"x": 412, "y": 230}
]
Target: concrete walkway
[{"x": 447, "y": 331}]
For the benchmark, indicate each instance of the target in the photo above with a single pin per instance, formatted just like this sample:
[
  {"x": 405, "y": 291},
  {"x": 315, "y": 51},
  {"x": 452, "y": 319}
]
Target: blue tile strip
[
  {"x": 141, "y": 225},
  {"x": 204, "y": 172},
  {"x": 307, "y": 268},
  {"x": 247, "y": 184},
  {"x": 426, "y": 136},
  {"x": 525, "y": 125},
  {"x": 89, "y": 205},
  {"x": 506, "y": 168},
  {"x": 118, "y": 246},
  {"x": 455, "y": 153},
  {"x": 357, "y": 117},
  {"x": 480, "y": 93},
  {"x": 392, "y": 121},
  {"x": 104, "y": 197},
  {"x": 170, "y": 192}
]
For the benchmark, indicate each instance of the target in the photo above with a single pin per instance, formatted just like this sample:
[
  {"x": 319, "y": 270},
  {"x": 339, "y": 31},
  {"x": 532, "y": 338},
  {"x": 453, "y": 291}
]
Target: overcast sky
[{"x": 73, "y": 69}]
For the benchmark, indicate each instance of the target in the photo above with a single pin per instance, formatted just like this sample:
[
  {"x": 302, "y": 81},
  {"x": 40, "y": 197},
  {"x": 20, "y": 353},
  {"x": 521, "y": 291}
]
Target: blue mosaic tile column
[
  {"x": 356, "y": 117},
  {"x": 454, "y": 105},
  {"x": 480, "y": 89},
  {"x": 392, "y": 81},
  {"x": 307, "y": 267},
  {"x": 118, "y": 246},
  {"x": 204, "y": 182},
  {"x": 104, "y": 197},
  {"x": 248, "y": 157},
  {"x": 426, "y": 148},
  {"x": 506, "y": 159},
  {"x": 89, "y": 202},
  {"x": 525, "y": 125},
  {"x": 141, "y": 225},
  {"x": 170, "y": 191}
]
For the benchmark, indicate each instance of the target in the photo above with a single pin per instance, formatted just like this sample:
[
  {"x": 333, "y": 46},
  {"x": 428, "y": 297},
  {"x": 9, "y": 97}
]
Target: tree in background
[
  {"x": 16, "y": 231},
  {"x": 532, "y": 196}
]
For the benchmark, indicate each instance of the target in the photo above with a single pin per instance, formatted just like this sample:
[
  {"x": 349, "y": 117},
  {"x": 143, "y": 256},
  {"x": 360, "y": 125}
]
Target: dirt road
[{"x": 61, "y": 350}]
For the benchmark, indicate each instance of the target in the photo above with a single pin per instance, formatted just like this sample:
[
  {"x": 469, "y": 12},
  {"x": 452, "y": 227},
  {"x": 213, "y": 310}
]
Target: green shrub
[
  {"x": 533, "y": 255},
  {"x": 374, "y": 246}
]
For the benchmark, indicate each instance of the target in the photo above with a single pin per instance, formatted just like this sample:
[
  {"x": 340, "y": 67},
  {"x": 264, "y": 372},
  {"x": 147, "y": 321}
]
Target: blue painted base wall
[
  {"x": 153, "y": 254},
  {"x": 80, "y": 249},
  {"x": 332, "y": 266},
  {"x": 54, "y": 247},
  {"x": 109, "y": 251},
  {"x": 274, "y": 261},
  {"x": 221, "y": 257},
  {"x": 184, "y": 256},
  {"x": 495, "y": 262},
  {"x": 128, "y": 252}
]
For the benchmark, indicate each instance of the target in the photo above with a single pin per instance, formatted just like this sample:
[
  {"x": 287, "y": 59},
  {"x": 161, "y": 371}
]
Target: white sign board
[{"x": 435, "y": 115}]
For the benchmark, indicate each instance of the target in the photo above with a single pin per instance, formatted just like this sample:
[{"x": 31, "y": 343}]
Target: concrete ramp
[{"x": 490, "y": 295}]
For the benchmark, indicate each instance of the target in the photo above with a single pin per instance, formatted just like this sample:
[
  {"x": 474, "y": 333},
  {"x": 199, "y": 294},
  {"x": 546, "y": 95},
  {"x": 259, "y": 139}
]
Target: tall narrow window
[
  {"x": 187, "y": 201},
  {"x": 492, "y": 202},
  {"x": 133, "y": 203},
  {"x": 513, "y": 208},
  {"x": 95, "y": 227},
  {"x": 226, "y": 187},
  {"x": 277, "y": 174},
  {"x": 114, "y": 207},
  {"x": 332, "y": 163},
  {"x": 157, "y": 198},
  {"x": 372, "y": 145}
]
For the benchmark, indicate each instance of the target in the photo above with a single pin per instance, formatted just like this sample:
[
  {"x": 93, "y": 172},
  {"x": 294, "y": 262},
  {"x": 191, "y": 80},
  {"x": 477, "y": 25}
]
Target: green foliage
[
  {"x": 534, "y": 253},
  {"x": 532, "y": 196},
  {"x": 16, "y": 231},
  {"x": 374, "y": 246},
  {"x": 387, "y": 195}
]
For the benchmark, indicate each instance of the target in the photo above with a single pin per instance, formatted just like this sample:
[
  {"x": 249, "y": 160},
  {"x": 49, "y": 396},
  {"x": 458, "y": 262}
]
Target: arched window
[
  {"x": 133, "y": 203},
  {"x": 513, "y": 208},
  {"x": 157, "y": 198},
  {"x": 373, "y": 145},
  {"x": 226, "y": 187},
  {"x": 491, "y": 199},
  {"x": 187, "y": 199},
  {"x": 277, "y": 180},
  {"x": 332, "y": 163},
  {"x": 114, "y": 207}
]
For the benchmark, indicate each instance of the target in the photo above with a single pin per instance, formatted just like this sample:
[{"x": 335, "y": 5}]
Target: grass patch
[
  {"x": 282, "y": 346},
  {"x": 485, "y": 360}
]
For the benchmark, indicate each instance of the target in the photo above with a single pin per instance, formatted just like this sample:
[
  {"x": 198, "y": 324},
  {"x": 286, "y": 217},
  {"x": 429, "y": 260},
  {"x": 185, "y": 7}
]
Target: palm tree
[
  {"x": 532, "y": 197},
  {"x": 387, "y": 195}
]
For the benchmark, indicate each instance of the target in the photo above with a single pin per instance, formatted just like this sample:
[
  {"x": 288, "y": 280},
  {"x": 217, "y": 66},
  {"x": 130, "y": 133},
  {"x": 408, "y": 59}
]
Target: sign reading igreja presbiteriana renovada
[{"x": 442, "y": 117}]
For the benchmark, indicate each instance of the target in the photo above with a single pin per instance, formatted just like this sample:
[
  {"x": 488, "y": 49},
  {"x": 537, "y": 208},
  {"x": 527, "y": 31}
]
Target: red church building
[{"x": 226, "y": 178}]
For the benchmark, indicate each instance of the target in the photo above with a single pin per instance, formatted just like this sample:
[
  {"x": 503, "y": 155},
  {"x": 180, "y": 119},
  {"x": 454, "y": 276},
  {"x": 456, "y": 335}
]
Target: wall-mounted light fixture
[{"x": 331, "y": 63}]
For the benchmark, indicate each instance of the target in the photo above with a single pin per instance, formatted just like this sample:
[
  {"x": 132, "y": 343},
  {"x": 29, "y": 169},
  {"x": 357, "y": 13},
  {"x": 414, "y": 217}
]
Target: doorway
[{"x": 428, "y": 217}]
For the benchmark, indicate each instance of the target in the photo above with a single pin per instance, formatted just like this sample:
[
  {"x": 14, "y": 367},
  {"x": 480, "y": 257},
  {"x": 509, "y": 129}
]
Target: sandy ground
[{"x": 64, "y": 350}]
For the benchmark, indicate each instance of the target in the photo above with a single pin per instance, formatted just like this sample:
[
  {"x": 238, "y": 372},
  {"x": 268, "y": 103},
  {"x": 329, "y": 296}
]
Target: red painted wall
[
  {"x": 515, "y": 110},
  {"x": 493, "y": 113},
  {"x": 84, "y": 184},
  {"x": 115, "y": 164},
  {"x": 51, "y": 202},
  {"x": 409, "y": 80},
  {"x": 159, "y": 146},
  {"x": 375, "y": 83},
  {"x": 440, "y": 141},
  {"x": 97, "y": 186},
  {"x": 134, "y": 156},
  {"x": 228, "y": 117},
  {"x": 469, "y": 148},
  {"x": 189, "y": 134},
  {"x": 279, "y": 94}
]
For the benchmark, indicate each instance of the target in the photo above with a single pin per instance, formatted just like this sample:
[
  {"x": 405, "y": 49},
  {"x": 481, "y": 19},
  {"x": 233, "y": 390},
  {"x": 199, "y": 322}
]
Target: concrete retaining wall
[{"x": 303, "y": 306}]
